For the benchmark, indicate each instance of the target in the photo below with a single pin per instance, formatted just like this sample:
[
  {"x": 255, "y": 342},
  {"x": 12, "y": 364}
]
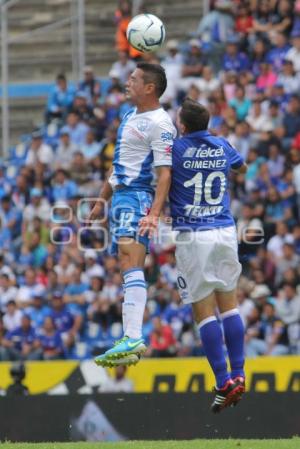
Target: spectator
[
  {"x": 192, "y": 65},
  {"x": 117, "y": 384},
  {"x": 11, "y": 217},
  {"x": 21, "y": 343},
  {"x": 276, "y": 242},
  {"x": 278, "y": 53},
  {"x": 267, "y": 77},
  {"x": 60, "y": 99},
  {"x": 162, "y": 340},
  {"x": 291, "y": 122},
  {"x": 275, "y": 114},
  {"x": 7, "y": 291},
  {"x": 289, "y": 78},
  {"x": 13, "y": 317},
  {"x": 39, "y": 152},
  {"x": 90, "y": 85},
  {"x": 288, "y": 260},
  {"x": 91, "y": 148},
  {"x": 294, "y": 52},
  {"x": 266, "y": 335},
  {"x": 245, "y": 306},
  {"x": 288, "y": 310},
  {"x": 77, "y": 130},
  {"x": 68, "y": 324},
  {"x": 123, "y": 67},
  {"x": 218, "y": 24},
  {"x": 258, "y": 56},
  {"x": 208, "y": 82},
  {"x": 122, "y": 19},
  {"x": 172, "y": 63},
  {"x": 39, "y": 310},
  {"x": 233, "y": 59},
  {"x": 50, "y": 340},
  {"x": 38, "y": 207},
  {"x": 63, "y": 188},
  {"x": 28, "y": 289},
  {"x": 82, "y": 107},
  {"x": 240, "y": 103},
  {"x": 65, "y": 150}
]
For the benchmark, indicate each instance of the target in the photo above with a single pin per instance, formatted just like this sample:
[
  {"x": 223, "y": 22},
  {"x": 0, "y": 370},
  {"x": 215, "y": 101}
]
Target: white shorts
[{"x": 207, "y": 261}]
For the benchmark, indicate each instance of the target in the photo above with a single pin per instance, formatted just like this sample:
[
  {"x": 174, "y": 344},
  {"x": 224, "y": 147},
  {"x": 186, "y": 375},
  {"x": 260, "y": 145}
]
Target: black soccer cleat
[{"x": 228, "y": 395}]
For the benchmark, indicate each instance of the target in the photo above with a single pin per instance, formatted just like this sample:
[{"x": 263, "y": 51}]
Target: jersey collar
[{"x": 204, "y": 133}]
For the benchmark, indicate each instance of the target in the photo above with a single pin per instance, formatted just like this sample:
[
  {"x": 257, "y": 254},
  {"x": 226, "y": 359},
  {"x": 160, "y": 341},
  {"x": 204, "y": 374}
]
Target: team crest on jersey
[{"x": 142, "y": 125}]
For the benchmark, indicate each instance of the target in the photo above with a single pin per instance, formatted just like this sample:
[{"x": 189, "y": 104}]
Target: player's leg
[
  {"x": 128, "y": 350},
  {"x": 211, "y": 337},
  {"x": 127, "y": 209},
  {"x": 233, "y": 331},
  {"x": 227, "y": 391}
]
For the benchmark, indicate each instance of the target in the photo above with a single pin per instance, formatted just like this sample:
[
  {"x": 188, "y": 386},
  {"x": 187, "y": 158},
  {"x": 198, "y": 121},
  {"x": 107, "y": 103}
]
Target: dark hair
[
  {"x": 61, "y": 77},
  {"x": 193, "y": 116},
  {"x": 154, "y": 73}
]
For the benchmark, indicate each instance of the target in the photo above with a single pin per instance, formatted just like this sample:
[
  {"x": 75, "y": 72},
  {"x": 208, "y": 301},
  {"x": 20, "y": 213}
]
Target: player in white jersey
[{"x": 145, "y": 139}]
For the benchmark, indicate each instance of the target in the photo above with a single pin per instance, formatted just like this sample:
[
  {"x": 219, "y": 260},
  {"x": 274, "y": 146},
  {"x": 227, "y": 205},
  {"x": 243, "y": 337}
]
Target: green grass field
[{"x": 293, "y": 443}]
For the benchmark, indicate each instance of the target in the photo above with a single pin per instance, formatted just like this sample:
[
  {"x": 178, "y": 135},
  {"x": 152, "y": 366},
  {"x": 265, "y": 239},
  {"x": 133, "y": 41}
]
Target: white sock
[
  {"x": 135, "y": 298},
  {"x": 124, "y": 318}
]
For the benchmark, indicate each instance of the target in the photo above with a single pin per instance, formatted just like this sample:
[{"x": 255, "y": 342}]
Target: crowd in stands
[{"x": 60, "y": 289}]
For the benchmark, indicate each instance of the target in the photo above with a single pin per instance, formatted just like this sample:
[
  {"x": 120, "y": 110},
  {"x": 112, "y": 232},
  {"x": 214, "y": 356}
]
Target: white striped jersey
[{"x": 144, "y": 140}]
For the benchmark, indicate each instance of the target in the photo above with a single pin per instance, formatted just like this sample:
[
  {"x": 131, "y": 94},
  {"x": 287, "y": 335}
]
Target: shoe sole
[
  {"x": 130, "y": 360},
  {"x": 233, "y": 397},
  {"x": 139, "y": 351}
]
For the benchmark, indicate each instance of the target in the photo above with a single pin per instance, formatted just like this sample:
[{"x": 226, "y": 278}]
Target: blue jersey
[{"x": 199, "y": 194}]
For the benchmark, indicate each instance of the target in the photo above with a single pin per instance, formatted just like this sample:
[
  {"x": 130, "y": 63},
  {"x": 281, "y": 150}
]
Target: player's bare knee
[
  {"x": 204, "y": 309},
  {"x": 226, "y": 300}
]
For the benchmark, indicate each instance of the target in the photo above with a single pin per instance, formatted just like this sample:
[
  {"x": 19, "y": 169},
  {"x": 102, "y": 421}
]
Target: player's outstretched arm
[{"x": 150, "y": 223}]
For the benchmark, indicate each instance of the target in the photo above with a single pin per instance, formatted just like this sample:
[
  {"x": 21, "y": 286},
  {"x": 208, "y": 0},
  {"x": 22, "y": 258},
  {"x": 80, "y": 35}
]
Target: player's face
[{"x": 135, "y": 86}]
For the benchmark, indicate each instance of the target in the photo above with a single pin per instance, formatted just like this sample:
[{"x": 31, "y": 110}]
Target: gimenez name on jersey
[{"x": 204, "y": 152}]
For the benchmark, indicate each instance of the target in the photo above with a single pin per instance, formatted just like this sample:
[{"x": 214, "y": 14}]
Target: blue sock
[
  {"x": 234, "y": 338},
  {"x": 212, "y": 341}
]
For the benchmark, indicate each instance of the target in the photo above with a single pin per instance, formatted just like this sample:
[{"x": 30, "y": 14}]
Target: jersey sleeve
[
  {"x": 162, "y": 138},
  {"x": 235, "y": 158}
]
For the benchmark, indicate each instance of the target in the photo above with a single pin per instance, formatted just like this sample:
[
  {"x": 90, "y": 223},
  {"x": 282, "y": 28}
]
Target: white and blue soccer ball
[{"x": 146, "y": 33}]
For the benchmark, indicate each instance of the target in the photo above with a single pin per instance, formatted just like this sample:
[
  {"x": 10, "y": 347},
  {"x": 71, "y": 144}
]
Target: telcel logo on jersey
[{"x": 204, "y": 151}]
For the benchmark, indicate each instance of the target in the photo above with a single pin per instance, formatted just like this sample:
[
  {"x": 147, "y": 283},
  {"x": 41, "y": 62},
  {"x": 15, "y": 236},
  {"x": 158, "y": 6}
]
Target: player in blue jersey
[
  {"x": 206, "y": 250},
  {"x": 145, "y": 139}
]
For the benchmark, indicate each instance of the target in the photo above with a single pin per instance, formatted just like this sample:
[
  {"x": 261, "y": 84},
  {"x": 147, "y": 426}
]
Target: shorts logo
[
  {"x": 168, "y": 150},
  {"x": 165, "y": 136},
  {"x": 142, "y": 125}
]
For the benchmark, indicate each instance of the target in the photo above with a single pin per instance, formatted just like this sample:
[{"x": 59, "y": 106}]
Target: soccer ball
[{"x": 146, "y": 32}]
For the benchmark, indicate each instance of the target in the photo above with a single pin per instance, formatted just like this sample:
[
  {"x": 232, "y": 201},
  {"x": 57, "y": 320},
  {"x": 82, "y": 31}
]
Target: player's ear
[{"x": 150, "y": 88}]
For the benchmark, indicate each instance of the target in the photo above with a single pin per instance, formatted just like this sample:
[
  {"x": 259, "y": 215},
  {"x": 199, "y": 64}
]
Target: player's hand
[
  {"x": 148, "y": 225},
  {"x": 95, "y": 213}
]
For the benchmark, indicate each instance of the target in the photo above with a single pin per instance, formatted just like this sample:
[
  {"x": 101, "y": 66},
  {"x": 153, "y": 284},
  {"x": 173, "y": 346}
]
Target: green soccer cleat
[
  {"x": 129, "y": 360},
  {"x": 125, "y": 347}
]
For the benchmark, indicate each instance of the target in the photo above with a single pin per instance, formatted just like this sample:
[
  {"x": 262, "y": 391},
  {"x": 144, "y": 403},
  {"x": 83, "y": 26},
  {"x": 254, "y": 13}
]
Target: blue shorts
[{"x": 127, "y": 208}]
